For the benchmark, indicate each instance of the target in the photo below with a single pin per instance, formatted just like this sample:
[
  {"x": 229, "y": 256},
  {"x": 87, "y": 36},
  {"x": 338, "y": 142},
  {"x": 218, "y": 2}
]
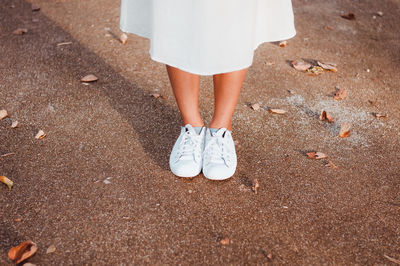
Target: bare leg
[
  {"x": 186, "y": 90},
  {"x": 226, "y": 94}
]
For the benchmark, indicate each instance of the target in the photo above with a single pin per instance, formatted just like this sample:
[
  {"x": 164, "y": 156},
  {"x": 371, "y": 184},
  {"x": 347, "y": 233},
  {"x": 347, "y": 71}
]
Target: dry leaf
[
  {"x": 35, "y": 7},
  {"x": 40, "y": 135},
  {"x": 123, "y": 38},
  {"x": 255, "y": 106},
  {"x": 328, "y": 66},
  {"x": 256, "y": 186},
  {"x": 23, "y": 251},
  {"x": 277, "y": 111},
  {"x": 225, "y": 241},
  {"x": 345, "y": 130},
  {"x": 379, "y": 13},
  {"x": 325, "y": 116},
  {"x": 50, "y": 249},
  {"x": 269, "y": 256},
  {"x": 340, "y": 94},
  {"x": 327, "y": 27},
  {"x": 3, "y": 114},
  {"x": 301, "y": 66},
  {"x": 349, "y": 16},
  {"x": 283, "y": 44},
  {"x": 6, "y": 181},
  {"x": 377, "y": 115},
  {"x": 14, "y": 124},
  {"x": 317, "y": 155},
  {"x": 89, "y": 78},
  {"x": 155, "y": 95},
  {"x": 18, "y": 219},
  {"x": 20, "y": 31},
  {"x": 315, "y": 70},
  {"x": 392, "y": 259}
]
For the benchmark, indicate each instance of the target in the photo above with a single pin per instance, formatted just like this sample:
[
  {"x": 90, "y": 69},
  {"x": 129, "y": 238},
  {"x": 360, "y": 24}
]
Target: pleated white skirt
[{"x": 207, "y": 37}]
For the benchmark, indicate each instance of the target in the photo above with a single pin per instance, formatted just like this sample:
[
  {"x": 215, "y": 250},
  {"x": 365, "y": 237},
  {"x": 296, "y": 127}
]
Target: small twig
[
  {"x": 64, "y": 43},
  {"x": 392, "y": 259},
  {"x": 7, "y": 154}
]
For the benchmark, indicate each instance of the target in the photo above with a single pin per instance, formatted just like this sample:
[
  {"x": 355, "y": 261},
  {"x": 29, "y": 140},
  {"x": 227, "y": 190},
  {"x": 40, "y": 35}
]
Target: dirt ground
[{"x": 98, "y": 186}]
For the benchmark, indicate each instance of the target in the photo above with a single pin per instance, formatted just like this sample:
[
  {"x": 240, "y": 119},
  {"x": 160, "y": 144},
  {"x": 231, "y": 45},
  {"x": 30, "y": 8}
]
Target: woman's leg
[
  {"x": 226, "y": 94},
  {"x": 186, "y": 90}
]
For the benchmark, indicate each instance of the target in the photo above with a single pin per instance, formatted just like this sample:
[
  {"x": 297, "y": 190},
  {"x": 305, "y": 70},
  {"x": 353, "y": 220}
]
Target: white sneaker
[
  {"x": 186, "y": 156},
  {"x": 219, "y": 156}
]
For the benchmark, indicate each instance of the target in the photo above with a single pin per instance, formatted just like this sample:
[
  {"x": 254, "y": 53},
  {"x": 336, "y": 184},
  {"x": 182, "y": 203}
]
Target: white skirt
[{"x": 207, "y": 37}]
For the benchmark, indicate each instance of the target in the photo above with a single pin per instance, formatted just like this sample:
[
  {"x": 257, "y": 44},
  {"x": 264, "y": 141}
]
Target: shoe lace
[
  {"x": 217, "y": 151},
  {"x": 189, "y": 147}
]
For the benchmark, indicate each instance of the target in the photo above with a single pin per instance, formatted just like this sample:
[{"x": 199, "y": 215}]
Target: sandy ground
[{"x": 98, "y": 187}]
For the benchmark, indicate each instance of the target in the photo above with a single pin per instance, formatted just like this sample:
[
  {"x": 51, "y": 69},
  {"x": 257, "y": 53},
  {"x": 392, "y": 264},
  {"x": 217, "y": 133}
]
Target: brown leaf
[
  {"x": 345, "y": 130},
  {"x": 89, "y": 78},
  {"x": 325, "y": 116},
  {"x": 340, "y": 94},
  {"x": 40, "y": 135},
  {"x": 20, "y": 31},
  {"x": 315, "y": 70},
  {"x": 3, "y": 114},
  {"x": 123, "y": 38},
  {"x": 327, "y": 27},
  {"x": 50, "y": 249},
  {"x": 35, "y": 7},
  {"x": 328, "y": 66},
  {"x": 225, "y": 241},
  {"x": 18, "y": 219},
  {"x": 301, "y": 66},
  {"x": 256, "y": 186},
  {"x": 14, "y": 124},
  {"x": 6, "y": 181},
  {"x": 283, "y": 44},
  {"x": 23, "y": 251},
  {"x": 255, "y": 106},
  {"x": 317, "y": 155},
  {"x": 349, "y": 16},
  {"x": 277, "y": 111}
]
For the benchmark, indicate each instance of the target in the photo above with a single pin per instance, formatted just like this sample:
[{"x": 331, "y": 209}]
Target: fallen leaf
[
  {"x": 349, "y": 16},
  {"x": 50, "y": 249},
  {"x": 283, "y": 44},
  {"x": 163, "y": 97},
  {"x": 315, "y": 70},
  {"x": 325, "y": 116},
  {"x": 345, "y": 130},
  {"x": 330, "y": 164},
  {"x": 256, "y": 186},
  {"x": 377, "y": 115},
  {"x": 392, "y": 259},
  {"x": 123, "y": 38},
  {"x": 255, "y": 106},
  {"x": 20, "y": 31},
  {"x": 89, "y": 78},
  {"x": 269, "y": 256},
  {"x": 225, "y": 241},
  {"x": 35, "y": 7},
  {"x": 3, "y": 114},
  {"x": 340, "y": 94},
  {"x": 40, "y": 134},
  {"x": 328, "y": 66},
  {"x": 14, "y": 124},
  {"x": 317, "y": 155},
  {"x": 23, "y": 251},
  {"x": 300, "y": 65},
  {"x": 277, "y": 111},
  {"x": 327, "y": 27},
  {"x": 155, "y": 95},
  {"x": 18, "y": 219},
  {"x": 379, "y": 13},
  {"x": 6, "y": 181}
]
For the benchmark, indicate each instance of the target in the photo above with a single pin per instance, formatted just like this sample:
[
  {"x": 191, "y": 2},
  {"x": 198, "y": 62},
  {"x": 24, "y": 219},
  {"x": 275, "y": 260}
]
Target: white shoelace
[
  {"x": 217, "y": 151},
  {"x": 189, "y": 147}
]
